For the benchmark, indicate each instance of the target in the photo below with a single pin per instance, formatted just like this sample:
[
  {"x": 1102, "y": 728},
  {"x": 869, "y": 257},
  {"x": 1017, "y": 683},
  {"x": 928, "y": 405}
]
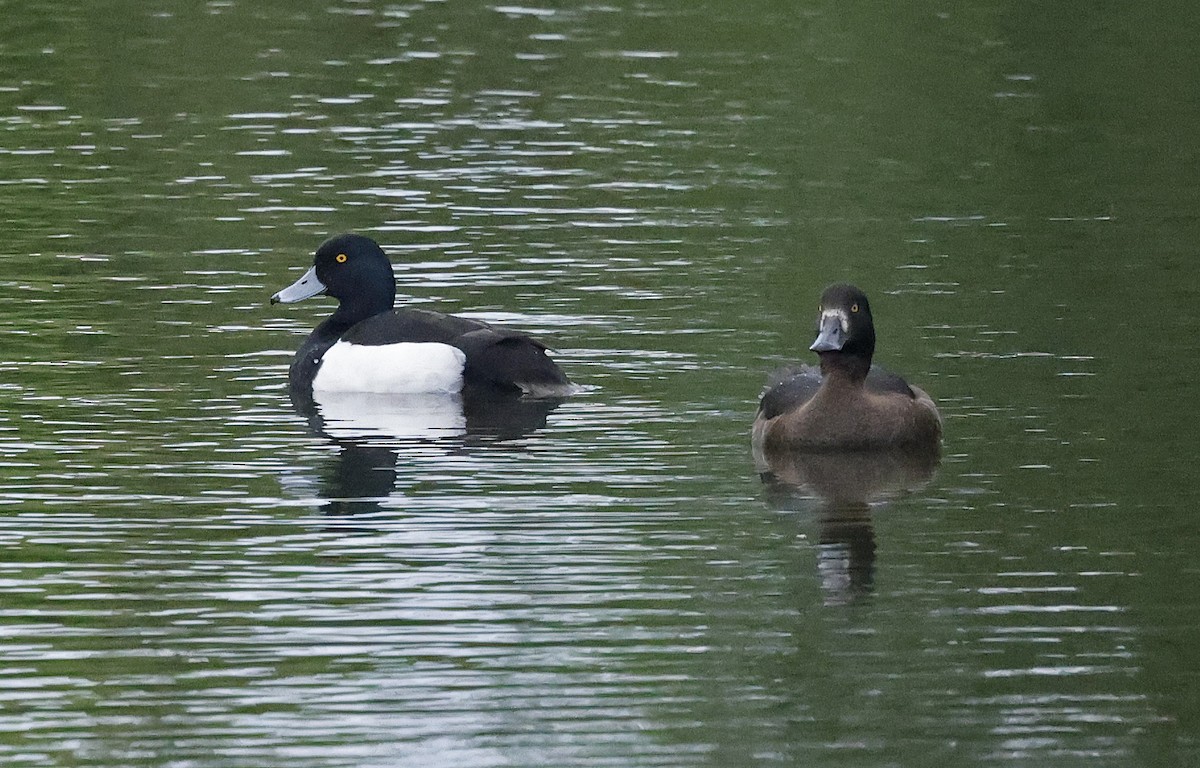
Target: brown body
[{"x": 845, "y": 415}]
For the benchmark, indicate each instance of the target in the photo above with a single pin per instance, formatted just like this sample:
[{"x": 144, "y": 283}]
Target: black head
[
  {"x": 352, "y": 269},
  {"x": 845, "y": 330}
]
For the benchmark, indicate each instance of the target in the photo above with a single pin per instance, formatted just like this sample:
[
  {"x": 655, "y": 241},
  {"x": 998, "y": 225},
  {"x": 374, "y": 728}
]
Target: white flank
[{"x": 402, "y": 369}]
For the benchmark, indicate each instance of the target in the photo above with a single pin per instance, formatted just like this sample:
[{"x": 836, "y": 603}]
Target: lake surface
[{"x": 191, "y": 575}]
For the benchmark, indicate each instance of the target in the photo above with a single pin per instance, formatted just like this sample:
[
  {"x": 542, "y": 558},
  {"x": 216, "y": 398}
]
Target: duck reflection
[
  {"x": 370, "y": 431},
  {"x": 841, "y": 488}
]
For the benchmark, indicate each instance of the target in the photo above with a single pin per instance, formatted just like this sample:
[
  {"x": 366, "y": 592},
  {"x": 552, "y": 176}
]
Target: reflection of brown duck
[
  {"x": 845, "y": 485},
  {"x": 842, "y": 478},
  {"x": 847, "y": 404}
]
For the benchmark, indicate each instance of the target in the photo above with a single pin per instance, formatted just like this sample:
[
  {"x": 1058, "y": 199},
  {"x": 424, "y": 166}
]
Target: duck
[
  {"x": 847, "y": 404},
  {"x": 368, "y": 345}
]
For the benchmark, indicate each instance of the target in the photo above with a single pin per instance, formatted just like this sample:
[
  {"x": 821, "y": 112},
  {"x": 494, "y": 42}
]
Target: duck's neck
[
  {"x": 845, "y": 368},
  {"x": 326, "y": 334},
  {"x": 344, "y": 317}
]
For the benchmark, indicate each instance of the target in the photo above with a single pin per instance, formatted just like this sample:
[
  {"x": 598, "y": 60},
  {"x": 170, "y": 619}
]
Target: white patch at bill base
[
  {"x": 405, "y": 368},
  {"x": 842, "y": 318}
]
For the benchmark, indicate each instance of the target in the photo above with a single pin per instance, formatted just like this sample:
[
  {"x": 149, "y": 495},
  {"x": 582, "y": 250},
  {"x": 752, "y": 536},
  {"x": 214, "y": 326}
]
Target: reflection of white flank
[
  {"x": 350, "y": 415},
  {"x": 406, "y": 368}
]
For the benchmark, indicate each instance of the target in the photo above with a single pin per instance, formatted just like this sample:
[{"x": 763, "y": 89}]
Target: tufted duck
[
  {"x": 848, "y": 404},
  {"x": 367, "y": 346}
]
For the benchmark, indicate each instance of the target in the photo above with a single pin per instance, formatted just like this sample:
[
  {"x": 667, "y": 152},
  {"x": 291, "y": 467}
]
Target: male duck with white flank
[
  {"x": 368, "y": 346},
  {"x": 848, "y": 404}
]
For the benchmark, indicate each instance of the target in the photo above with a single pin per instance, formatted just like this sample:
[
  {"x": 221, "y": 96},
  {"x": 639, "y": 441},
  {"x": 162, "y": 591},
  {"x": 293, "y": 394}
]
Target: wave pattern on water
[{"x": 194, "y": 573}]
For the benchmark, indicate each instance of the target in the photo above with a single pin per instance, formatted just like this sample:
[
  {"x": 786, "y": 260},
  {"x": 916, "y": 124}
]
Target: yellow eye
[
  {"x": 340, "y": 258},
  {"x": 853, "y": 307}
]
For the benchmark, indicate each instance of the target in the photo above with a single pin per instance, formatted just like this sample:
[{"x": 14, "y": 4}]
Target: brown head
[{"x": 845, "y": 332}]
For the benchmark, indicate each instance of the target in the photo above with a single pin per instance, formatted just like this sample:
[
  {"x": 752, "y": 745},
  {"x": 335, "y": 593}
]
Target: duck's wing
[
  {"x": 790, "y": 387},
  {"x": 411, "y": 325},
  {"x": 787, "y": 389},
  {"x": 507, "y": 359},
  {"x": 882, "y": 381},
  {"x": 925, "y": 401}
]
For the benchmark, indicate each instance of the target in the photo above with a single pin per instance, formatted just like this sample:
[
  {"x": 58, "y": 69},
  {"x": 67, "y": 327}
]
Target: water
[{"x": 192, "y": 575}]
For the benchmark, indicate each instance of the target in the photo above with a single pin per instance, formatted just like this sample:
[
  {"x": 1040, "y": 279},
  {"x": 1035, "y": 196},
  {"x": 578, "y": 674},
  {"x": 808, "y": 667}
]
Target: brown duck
[{"x": 847, "y": 404}]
